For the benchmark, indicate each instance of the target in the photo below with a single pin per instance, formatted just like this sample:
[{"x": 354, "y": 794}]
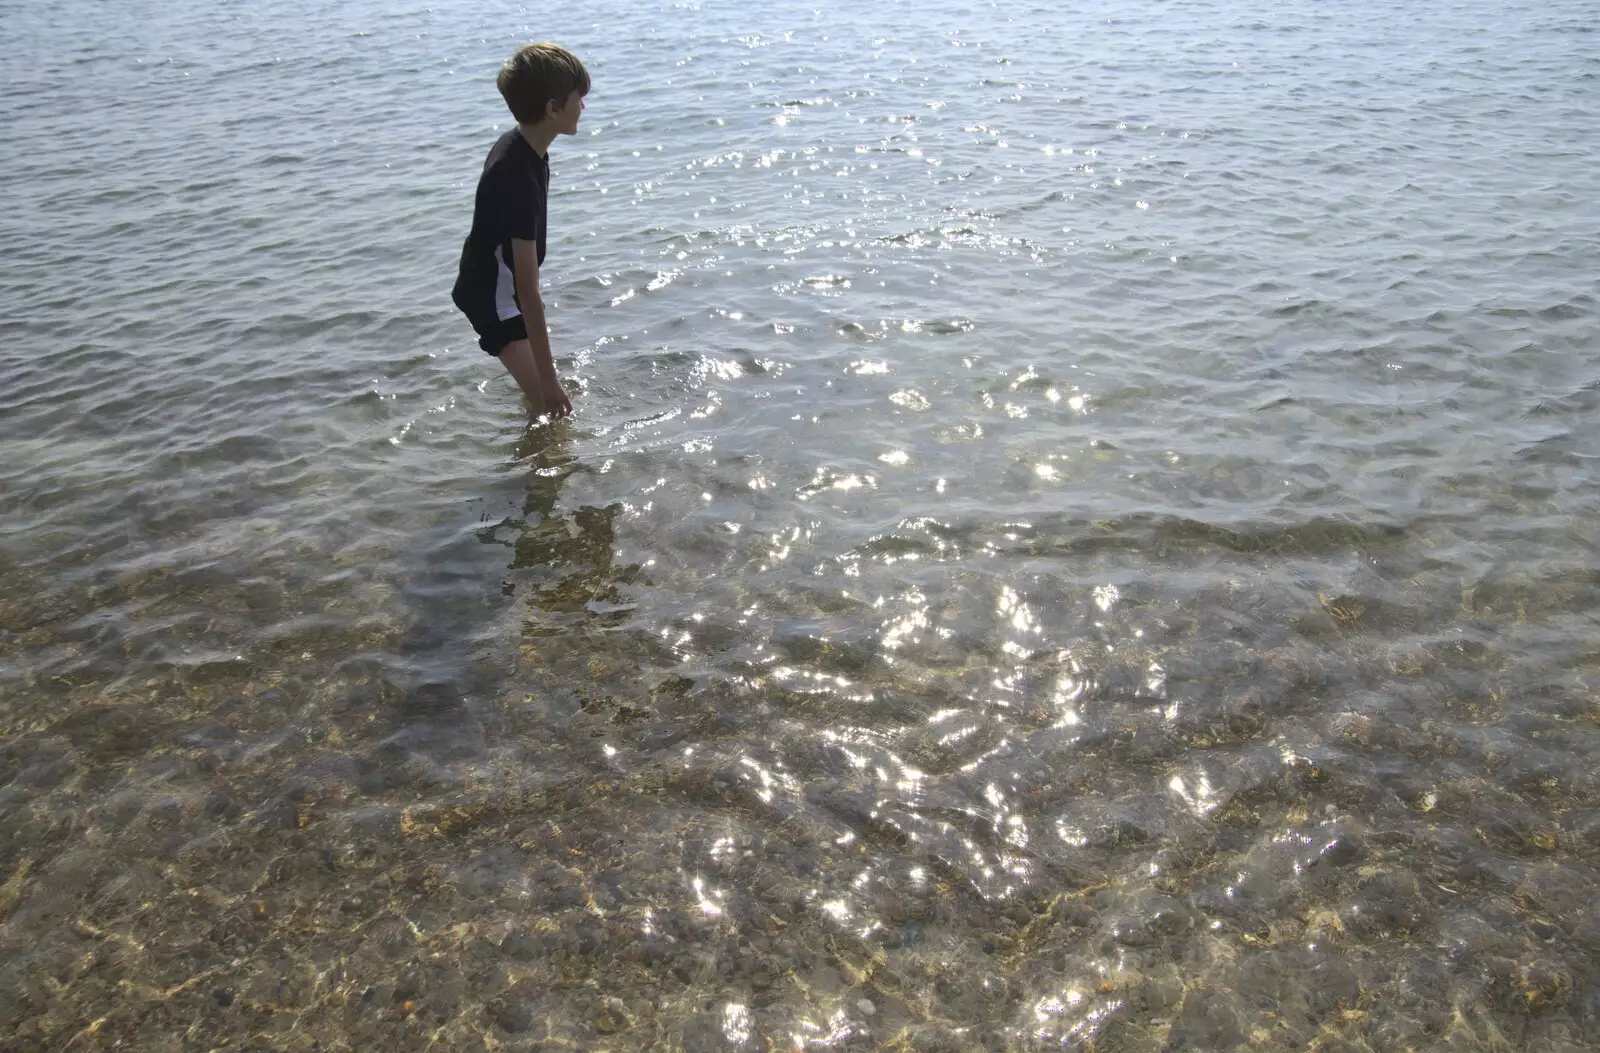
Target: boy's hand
[{"x": 556, "y": 402}]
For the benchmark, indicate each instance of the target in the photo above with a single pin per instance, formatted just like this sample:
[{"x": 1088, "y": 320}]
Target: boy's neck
[{"x": 539, "y": 136}]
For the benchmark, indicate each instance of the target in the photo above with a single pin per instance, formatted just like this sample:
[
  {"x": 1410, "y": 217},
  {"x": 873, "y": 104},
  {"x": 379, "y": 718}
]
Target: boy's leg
[{"x": 517, "y": 356}]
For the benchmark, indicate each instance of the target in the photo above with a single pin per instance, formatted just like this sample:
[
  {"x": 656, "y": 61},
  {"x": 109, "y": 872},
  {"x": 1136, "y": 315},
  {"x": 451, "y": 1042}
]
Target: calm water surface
[{"x": 1079, "y": 531}]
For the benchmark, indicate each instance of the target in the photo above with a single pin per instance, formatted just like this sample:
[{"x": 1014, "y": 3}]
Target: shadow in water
[
  {"x": 562, "y": 564},
  {"x": 471, "y": 641}
]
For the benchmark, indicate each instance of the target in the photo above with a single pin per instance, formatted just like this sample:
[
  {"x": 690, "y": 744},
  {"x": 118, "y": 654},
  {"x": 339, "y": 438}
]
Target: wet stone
[
  {"x": 515, "y": 1018},
  {"x": 1208, "y": 1020},
  {"x": 935, "y": 1039},
  {"x": 763, "y": 976},
  {"x": 1152, "y": 921},
  {"x": 515, "y": 1011},
  {"x": 1473, "y": 938},
  {"x": 1557, "y": 891},
  {"x": 1345, "y": 845},
  {"x": 1543, "y": 985},
  {"x": 1584, "y": 930},
  {"x": 612, "y": 1017},
  {"x": 1157, "y": 994},
  {"x": 1387, "y": 903},
  {"x": 1586, "y": 831}
]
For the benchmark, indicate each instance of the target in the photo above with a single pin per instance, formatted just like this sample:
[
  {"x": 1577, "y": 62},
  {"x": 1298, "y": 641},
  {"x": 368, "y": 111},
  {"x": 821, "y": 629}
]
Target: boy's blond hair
[{"x": 537, "y": 75}]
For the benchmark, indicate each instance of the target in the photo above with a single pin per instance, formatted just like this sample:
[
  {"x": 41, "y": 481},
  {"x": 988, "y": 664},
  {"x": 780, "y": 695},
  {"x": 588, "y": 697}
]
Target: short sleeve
[{"x": 518, "y": 211}]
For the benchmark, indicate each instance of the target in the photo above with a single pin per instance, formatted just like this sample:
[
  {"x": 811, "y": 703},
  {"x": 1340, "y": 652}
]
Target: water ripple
[{"x": 1075, "y": 533}]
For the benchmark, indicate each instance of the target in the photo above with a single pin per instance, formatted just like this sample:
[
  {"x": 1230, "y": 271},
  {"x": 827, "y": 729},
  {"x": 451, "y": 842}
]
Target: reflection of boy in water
[
  {"x": 574, "y": 552},
  {"x": 498, "y": 284}
]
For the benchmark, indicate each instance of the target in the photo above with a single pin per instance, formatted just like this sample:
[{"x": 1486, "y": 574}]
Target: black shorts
[{"x": 495, "y": 333}]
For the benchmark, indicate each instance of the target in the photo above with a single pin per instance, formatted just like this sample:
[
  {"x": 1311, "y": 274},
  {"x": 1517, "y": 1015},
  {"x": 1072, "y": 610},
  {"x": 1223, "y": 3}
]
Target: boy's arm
[{"x": 526, "y": 257}]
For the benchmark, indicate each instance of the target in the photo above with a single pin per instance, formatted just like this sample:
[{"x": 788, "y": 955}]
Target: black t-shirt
[{"x": 510, "y": 203}]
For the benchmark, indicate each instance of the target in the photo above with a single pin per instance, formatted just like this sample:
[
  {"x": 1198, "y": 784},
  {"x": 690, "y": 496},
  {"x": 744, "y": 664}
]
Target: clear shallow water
[{"x": 1077, "y": 532}]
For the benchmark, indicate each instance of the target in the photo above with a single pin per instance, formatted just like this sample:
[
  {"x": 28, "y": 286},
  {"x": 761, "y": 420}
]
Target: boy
[{"x": 498, "y": 284}]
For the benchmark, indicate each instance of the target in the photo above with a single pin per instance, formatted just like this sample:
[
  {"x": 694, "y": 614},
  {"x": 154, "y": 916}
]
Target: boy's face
[{"x": 566, "y": 115}]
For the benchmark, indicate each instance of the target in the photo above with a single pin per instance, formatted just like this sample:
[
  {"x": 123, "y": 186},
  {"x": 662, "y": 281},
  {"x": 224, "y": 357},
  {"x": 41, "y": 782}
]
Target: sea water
[{"x": 1078, "y": 530}]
